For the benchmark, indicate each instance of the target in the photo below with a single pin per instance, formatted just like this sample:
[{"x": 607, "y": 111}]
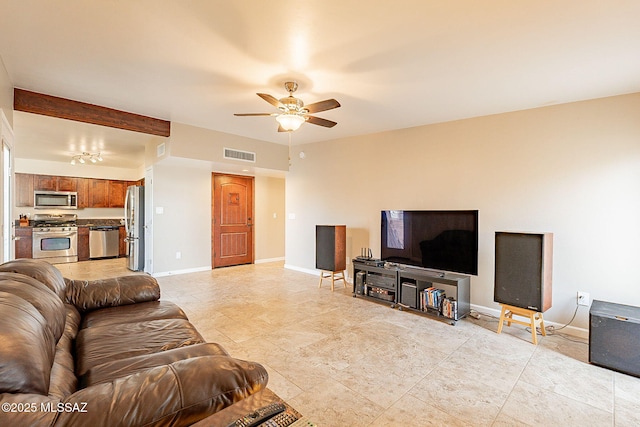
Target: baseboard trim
[
  {"x": 311, "y": 271},
  {"x": 185, "y": 271},
  {"x": 266, "y": 260},
  {"x": 569, "y": 330}
]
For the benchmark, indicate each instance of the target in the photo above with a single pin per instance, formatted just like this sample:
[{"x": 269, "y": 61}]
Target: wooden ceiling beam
[{"x": 47, "y": 105}]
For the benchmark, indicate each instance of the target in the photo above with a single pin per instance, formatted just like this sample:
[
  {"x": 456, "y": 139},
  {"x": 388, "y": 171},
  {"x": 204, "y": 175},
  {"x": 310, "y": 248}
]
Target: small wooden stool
[
  {"x": 334, "y": 275},
  {"x": 535, "y": 320}
]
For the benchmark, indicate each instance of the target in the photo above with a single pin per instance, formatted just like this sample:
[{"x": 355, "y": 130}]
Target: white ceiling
[
  {"x": 391, "y": 64},
  {"x": 57, "y": 140}
]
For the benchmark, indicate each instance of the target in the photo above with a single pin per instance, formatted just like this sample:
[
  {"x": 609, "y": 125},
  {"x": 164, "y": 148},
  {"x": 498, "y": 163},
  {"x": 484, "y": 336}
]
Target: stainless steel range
[{"x": 55, "y": 238}]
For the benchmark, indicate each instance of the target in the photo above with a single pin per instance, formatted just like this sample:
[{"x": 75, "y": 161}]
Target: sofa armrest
[
  {"x": 87, "y": 295},
  {"x": 26, "y": 409},
  {"x": 178, "y": 394}
]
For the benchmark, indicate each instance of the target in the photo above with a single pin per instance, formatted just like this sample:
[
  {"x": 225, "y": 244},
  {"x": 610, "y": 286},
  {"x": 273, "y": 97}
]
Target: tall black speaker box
[
  {"x": 614, "y": 336},
  {"x": 331, "y": 252},
  {"x": 523, "y": 270}
]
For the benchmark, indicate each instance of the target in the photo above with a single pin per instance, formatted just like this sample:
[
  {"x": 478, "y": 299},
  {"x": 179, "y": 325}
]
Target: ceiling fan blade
[
  {"x": 255, "y": 114},
  {"x": 320, "y": 122},
  {"x": 271, "y": 100},
  {"x": 327, "y": 104}
]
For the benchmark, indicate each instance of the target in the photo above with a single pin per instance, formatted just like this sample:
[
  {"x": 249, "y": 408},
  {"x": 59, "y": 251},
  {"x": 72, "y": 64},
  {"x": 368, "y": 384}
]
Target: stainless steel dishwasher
[{"x": 103, "y": 241}]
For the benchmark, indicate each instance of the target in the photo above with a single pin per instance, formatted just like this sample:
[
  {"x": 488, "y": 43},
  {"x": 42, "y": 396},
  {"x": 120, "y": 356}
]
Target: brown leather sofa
[{"x": 107, "y": 353}]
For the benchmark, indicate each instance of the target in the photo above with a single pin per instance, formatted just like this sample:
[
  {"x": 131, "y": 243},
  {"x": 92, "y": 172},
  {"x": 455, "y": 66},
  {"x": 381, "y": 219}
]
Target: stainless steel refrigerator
[{"x": 134, "y": 227}]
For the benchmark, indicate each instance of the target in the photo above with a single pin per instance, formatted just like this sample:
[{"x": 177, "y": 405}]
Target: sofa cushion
[
  {"x": 102, "y": 344},
  {"x": 27, "y": 350},
  {"x": 40, "y": 270},
  {"x": 63, "y": 378},
  {"x": 89, "y": 295},
  {"x": 38, "y": 295},
  {"x": 153, "y": 310},
  {"x": 123, "y": 367},
  {"x": 178, "y": 394}
]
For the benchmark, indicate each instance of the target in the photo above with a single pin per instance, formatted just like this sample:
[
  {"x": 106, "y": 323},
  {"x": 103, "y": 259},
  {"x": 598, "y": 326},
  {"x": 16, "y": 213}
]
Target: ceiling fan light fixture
[
  {"x": 290, "y": 121},
  {"x": 292, "y": 112}
]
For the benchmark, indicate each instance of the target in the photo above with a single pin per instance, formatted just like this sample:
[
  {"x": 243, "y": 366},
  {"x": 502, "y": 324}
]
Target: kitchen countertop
[{"x": 88, "y": 222}]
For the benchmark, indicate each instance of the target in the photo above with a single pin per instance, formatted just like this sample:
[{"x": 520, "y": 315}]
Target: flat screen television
[{"x": 438, "y": 240}]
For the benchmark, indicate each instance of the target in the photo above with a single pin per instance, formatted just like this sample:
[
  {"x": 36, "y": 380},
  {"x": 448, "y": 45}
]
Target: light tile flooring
[{"x": 344, "y": 361}]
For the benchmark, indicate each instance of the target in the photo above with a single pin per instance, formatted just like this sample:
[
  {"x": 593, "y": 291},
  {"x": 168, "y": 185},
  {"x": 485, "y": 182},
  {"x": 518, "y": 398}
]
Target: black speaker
[
  {"x": 409, "y": 294},
  {"x": 523, "y": 270},
  {"x": 331, "y": 252},
  {"x": 614, "y": 336}
]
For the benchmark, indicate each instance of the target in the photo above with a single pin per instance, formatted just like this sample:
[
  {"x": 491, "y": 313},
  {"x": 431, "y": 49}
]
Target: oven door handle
[{"x": 50, "y": 235}]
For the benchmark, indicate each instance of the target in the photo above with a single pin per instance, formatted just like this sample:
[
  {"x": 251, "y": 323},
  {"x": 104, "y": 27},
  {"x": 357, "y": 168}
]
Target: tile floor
[{"x": 345, "y": 361}]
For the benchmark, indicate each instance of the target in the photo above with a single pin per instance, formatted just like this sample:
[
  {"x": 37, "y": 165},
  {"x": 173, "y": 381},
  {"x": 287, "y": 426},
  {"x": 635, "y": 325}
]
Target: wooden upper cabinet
[
  {"x": 82, "y": 187},
  {"x": 99, "y": 193},
  {"x": 54, "y": 183},
  {"x": 45, "y": 182},
  {"x": 24, "y": 189},
  {"x": 92, "y": 193},
  {"x": 117, "y": 191},
  {"x": 67, "y": 183}
]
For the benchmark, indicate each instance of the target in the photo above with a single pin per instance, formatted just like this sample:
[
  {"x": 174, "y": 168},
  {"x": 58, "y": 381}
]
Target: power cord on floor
[{"x": 550, "y": 330}]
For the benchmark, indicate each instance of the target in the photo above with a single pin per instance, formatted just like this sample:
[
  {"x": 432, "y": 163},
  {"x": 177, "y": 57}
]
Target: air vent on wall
[{"x": 245, "y": 156}]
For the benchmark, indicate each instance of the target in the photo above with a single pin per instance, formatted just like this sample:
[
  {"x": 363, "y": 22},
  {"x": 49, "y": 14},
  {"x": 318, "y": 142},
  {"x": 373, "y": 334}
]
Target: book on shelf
[
  {"x": 450, "y": 308},
  {"x": 432, "y": 298}
]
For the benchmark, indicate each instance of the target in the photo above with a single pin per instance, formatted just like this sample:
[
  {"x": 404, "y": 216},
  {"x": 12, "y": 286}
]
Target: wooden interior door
[{"x": 232, "y": 216}]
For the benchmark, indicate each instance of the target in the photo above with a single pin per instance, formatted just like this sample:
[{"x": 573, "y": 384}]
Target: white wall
[{"x": 573, "y": 170}]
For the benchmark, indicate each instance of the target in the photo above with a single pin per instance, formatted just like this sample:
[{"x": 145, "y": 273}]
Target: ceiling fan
[{"x": 293, "y": 112}]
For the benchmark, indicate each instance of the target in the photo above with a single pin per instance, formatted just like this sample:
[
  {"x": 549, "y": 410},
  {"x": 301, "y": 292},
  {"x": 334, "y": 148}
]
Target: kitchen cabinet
[
  {"x": 122, "y": 248},
  {"x": 66, "y": 183},
  {"x": 92, "y": 192},
  {"x": 24, "y": 242},
  {"x": 117, "y": 191},
  {"x": 44, "y": 182},
  {"x": 82, "y": 186},
  {"x": 54, "y": 183},
  {"x": 24, "y": 189},
  {"x": 83, "y": 243},
  {"x": 99, "y": 193}
]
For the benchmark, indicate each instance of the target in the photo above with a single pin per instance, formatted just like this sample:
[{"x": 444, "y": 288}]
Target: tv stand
[{"x": 433, "y": 293}]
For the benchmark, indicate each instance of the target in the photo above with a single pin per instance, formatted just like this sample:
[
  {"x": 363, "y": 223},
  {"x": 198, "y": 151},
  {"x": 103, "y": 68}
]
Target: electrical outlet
[
  {"x": 583, "y": 298},
  {"x": 178, "y": 255}
]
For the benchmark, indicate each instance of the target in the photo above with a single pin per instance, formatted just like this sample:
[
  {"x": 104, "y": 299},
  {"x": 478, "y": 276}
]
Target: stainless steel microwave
[{"x": 55, "y": 200}]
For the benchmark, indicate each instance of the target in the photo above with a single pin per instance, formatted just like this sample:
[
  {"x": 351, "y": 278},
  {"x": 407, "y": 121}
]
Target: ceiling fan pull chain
[{"x": 289, "y": 148}]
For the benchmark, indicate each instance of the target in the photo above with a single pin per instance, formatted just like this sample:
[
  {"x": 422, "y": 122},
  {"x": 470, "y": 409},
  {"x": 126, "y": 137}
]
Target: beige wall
[
  {"x": 183, "y": 193},
  {"x": 270, "y": 214},
  {"x": 573, "y": 170},
  {"x": 6, "y": 93},
  {"x": 192, "y": 142},
  {"x": 183, "y": 190}
]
